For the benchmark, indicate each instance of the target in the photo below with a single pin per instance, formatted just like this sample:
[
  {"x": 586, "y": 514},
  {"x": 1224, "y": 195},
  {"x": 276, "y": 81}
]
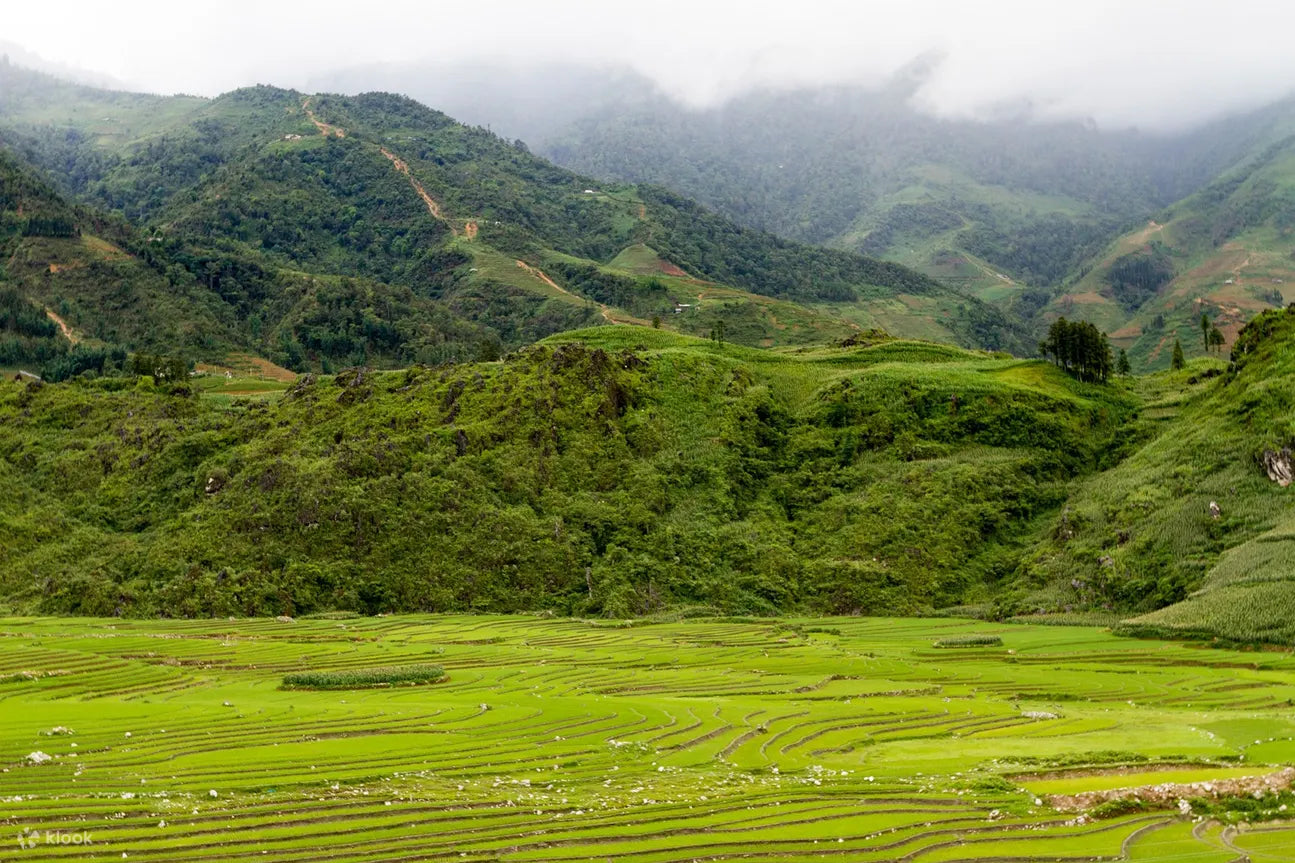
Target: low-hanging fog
[{"x": 1157, "y": 65}]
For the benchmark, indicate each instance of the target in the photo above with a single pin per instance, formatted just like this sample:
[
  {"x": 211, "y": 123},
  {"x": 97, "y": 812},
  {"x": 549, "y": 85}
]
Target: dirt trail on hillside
[
  {"x": 1236, "y": 273},
  {"x": 433, "y": 206},
  {"x": 543, "y": 277},
  {"x": 325, "y": 129},
  {"x": 62, "y": 327},
  {"x": 1153, "y": 227},
  {"x": 992, "y": 273}
]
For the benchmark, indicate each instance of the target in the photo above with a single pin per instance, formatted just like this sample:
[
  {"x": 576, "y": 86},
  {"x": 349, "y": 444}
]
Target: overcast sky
[{"x": 1152, "y": 63}]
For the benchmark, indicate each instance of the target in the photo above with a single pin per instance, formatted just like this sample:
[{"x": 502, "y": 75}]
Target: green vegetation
[
  {"x": 970, "y": 641},
  {"x": 626, "y": 471},
  {"x": 1221, "y": 254},
  {"x": 322, "y": 231},
  {"x": 865, "y": 170},
  {"x": 1139, "y": 276},
  {"x": 1190, "y": 519},
  {"x": 1137, "y": 234},
  {"x": 1078, "y": 348},
  {"x": 616, "y": 471},
  {"x": 362, "y": 678},
  {"x": 673, "y": 740},
  {"x": 1002, "y": 208}
]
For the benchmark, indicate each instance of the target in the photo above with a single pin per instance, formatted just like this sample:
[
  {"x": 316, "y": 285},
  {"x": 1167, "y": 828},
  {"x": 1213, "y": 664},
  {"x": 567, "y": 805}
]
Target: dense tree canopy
[{"x": 1079, "y": 348}]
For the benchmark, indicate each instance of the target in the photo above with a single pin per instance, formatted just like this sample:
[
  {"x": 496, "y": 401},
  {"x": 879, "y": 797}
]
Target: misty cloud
[{"x": 1155, "y": 64}]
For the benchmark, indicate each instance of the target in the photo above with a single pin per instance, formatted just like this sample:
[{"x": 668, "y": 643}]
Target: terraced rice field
[{"x": 559, "y": 740}]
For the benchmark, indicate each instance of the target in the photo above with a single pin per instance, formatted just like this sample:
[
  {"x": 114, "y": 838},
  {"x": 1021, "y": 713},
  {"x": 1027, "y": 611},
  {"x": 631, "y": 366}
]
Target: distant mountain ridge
[
  {"x": 269, "y": 196},
  {"x": 1014, "y": 211}
]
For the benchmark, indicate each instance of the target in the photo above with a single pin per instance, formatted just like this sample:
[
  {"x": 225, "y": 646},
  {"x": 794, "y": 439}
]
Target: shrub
[
  {"x": 969, "y": 641},
  {"x": 363, "y": 678}
]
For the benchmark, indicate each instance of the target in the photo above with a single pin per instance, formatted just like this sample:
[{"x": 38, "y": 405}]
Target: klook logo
[{"x": 29, "y": 839}]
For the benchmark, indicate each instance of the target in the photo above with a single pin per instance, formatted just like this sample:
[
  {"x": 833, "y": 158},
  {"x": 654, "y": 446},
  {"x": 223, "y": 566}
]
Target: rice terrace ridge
[
  {"x": 539, "y": 433},
  {"x": 797, "y": 739}
]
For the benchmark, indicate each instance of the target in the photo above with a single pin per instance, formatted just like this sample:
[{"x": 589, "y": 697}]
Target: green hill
[
  {"x": 1142, "y": 535},
  {"x": 1139, "y": 233},
  {"x": 110, "y": 287},
  {"x": 261, "y": 191},
  {"x": 613, "y": 471},
  {"x": 1000, "y": 206},
  {"x": 1225, "y": 252}
]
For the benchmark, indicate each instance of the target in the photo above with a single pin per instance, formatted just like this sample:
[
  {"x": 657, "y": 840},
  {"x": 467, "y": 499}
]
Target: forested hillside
[
  {"x": 330, "y": 231},
  {"x": 1024, "y": 214},
  {"x": 1198, "y": 517},
  {"x": 1225, "y": 252},
  {"x": 621, "y": 471},
  {"x": 618, "y": 472},
  {"x": 866, "y": 170}
]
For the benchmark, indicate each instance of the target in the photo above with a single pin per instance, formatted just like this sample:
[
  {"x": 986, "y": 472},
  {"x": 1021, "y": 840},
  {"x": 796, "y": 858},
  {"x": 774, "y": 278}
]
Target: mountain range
[
  {"x": 1032, "y": 216},
  {"x": 466, "y": 378}
]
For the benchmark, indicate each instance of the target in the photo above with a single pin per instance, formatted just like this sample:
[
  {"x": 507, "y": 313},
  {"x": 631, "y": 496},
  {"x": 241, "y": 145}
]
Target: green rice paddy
[{"x": 562, "y": 740}]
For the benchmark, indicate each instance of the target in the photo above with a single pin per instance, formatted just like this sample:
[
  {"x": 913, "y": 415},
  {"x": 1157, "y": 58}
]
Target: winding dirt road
[
  {"x": 62, "y": 327},
  {"x": 543, "y": 277},
  {"x": 433, "y": 206}
]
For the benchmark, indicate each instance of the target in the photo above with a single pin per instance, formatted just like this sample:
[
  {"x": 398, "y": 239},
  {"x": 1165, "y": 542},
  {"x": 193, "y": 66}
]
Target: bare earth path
[
  {"x": 325, "y": 129},
  {"x": 63, "y": 327},
  {"x": 433, "y": 206},
  {"x": 542, "y": 276}
]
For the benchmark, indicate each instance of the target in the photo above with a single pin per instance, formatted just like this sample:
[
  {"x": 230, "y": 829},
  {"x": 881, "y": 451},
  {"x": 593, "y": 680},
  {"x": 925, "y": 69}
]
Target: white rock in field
[
  {"x": 213, "y": 793},
  {"x": 128, "y": 734},
  {"x": 39, "y": 757}
]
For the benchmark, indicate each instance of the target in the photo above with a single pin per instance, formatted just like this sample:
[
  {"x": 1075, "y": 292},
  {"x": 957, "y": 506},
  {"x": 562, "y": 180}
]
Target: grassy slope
[
  {"x": 1142, "y": 535},
  {"x": 616, "y": 470},
  {"x": 63, "y": 260},
  {"x": 1230, "y": 248},
  {"x": 939, "y": 248}
]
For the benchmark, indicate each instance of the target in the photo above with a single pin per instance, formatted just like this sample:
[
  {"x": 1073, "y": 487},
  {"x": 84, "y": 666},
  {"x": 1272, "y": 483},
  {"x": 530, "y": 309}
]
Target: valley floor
[{"x": 562, "y": 740}]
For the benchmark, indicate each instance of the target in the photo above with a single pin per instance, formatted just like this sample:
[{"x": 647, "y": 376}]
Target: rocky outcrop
[
  {"x": 1169, "y": 793},
  {"x": 1278, "y": 465}
]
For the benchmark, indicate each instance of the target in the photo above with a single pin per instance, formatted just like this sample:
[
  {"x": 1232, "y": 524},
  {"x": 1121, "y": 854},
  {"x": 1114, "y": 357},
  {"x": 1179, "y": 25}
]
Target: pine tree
[
  {"x": 1079, "y": 349},
  {"x": 1178, "y": 361},
  {"x": 1205, "y": 330},
  {"x": 1216, "y": 339},
  {"x": 1123, "y": 368}
]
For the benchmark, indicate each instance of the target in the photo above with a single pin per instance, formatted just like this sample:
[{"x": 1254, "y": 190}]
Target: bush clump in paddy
[
  {"x": 1120, "y": 806},
  {"x": 363, "y": 678},
  {"x": 969, "y": 641}
]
